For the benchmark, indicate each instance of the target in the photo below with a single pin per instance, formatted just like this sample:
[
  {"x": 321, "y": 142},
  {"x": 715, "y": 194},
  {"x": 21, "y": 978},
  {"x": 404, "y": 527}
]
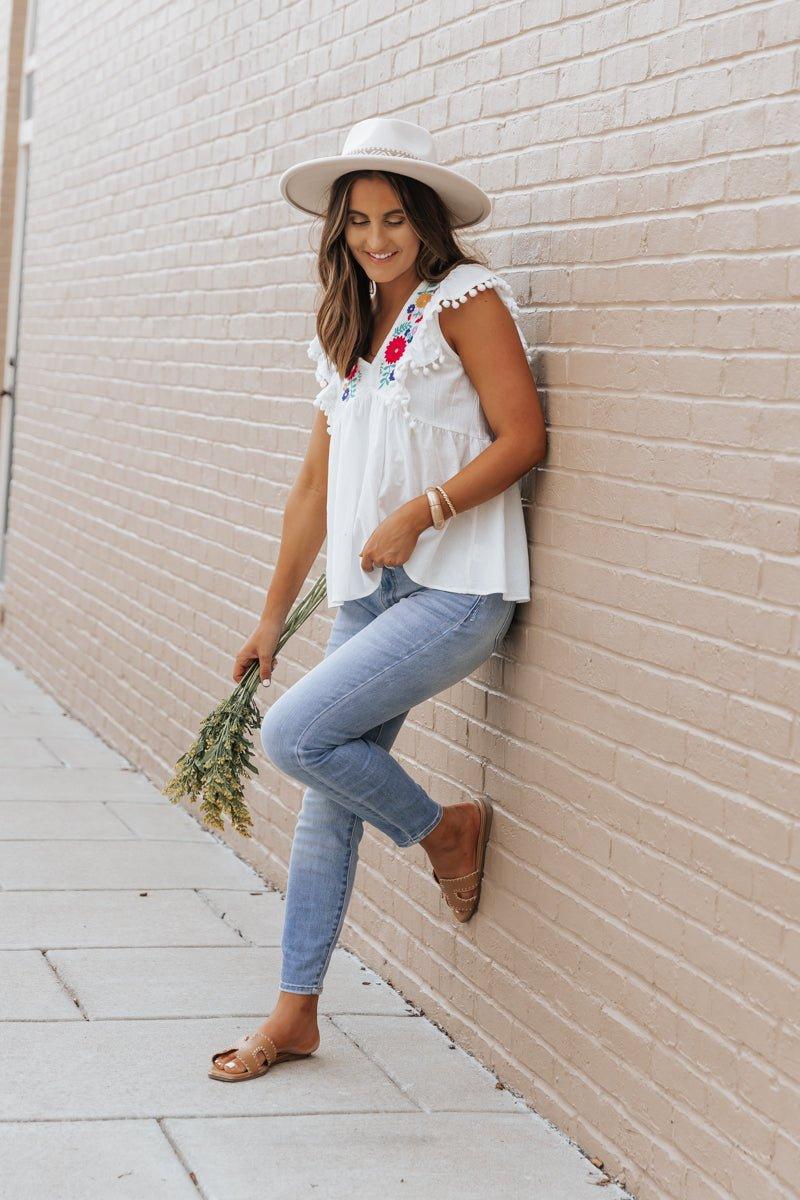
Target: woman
[{"x": 428, "y": 417}]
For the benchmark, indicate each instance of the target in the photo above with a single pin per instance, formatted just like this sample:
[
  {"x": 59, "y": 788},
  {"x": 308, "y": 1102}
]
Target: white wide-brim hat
[{"x": 388, "y": 144}]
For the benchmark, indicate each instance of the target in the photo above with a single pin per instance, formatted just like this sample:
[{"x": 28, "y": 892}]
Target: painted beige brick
[
  {"x": 634, "y": 968},
  {"x": 12, "y": 30}
]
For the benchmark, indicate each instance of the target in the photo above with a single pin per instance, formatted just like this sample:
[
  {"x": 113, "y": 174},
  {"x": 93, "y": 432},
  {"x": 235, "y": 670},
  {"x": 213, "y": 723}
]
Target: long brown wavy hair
[{"x": 344, "y": 323}]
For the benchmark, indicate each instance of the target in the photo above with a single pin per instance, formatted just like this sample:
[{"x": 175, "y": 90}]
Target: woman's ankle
[
  {"x": 296, "y": 1007},
  {"x": 447, "y": 834}
]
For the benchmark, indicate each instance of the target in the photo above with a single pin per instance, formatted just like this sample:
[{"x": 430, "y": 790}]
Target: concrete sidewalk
[{"x": 134, "y": 944}]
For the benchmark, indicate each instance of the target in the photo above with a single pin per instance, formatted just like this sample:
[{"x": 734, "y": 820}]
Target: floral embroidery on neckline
[{"x": 395, "y": 346}]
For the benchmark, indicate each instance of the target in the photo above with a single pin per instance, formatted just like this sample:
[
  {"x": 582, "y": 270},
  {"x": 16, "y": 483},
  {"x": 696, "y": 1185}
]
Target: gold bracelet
[
  {"x": 435, "y": 507},
  {"x": 439, "y": 488}
]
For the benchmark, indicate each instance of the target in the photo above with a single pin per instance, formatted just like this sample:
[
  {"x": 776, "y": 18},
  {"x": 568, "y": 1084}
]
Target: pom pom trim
[
  {"x": 424, "y": 353},
  {"x": 326, "y": 398}
]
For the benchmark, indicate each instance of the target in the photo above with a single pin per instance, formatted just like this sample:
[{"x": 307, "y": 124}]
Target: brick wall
[{"x": 634, "y": 969}]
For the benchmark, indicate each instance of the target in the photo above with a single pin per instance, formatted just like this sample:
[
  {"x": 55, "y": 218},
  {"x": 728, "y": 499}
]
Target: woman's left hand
[{"x": 392, "y": 542}]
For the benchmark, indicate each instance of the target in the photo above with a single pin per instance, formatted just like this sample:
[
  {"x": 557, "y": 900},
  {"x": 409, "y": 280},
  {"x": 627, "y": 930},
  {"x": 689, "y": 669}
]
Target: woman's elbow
[
  {"x": 529, "y": 448},
  {"x": 538, "y": 449}
]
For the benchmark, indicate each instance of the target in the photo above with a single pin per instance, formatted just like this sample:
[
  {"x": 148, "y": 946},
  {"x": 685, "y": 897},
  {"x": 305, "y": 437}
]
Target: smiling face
[{"x": 378, "y": 233}]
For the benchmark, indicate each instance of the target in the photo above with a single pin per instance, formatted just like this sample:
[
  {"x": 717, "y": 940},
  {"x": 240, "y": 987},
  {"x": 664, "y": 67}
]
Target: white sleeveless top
[{"x": 409, "y": 419}]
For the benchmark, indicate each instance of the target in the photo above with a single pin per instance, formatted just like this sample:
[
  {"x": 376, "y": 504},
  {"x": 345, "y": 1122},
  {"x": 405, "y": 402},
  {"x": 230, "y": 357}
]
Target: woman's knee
[{"x": 281, "y": 729}]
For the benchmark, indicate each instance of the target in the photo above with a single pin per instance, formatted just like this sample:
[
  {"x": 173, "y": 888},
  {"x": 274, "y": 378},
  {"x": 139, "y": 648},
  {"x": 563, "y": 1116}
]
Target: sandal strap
[
  {"x": 256, "y": 1049},
  {"x": 265, "y": 1045},
  {"x": 452, "y": 882},
  {"x": 453, "y": 886}
]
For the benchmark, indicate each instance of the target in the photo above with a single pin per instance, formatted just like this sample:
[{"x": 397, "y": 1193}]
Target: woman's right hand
[{"x": 260, "y": 646}]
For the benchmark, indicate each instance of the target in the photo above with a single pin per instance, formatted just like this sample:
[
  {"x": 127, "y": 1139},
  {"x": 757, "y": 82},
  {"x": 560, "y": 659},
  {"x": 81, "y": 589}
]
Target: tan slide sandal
[
  {"x": 257, "y": 1053},
  {"x": 453, "y": 888}
]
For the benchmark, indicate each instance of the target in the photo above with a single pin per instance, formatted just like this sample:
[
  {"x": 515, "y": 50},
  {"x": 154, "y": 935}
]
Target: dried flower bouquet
[{"x": 216, "y": 764}]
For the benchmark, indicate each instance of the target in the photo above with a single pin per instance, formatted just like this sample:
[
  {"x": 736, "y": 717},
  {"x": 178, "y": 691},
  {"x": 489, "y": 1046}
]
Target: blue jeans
[{"x": 333, "y": 729}]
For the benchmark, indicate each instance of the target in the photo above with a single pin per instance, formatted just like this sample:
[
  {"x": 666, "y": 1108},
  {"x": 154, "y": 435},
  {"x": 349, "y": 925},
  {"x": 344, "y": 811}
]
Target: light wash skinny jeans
[{"x": 333, "y": 729}]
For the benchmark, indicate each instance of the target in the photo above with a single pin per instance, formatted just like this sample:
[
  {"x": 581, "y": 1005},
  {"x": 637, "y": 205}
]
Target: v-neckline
[{"x": 395, "y": 322}]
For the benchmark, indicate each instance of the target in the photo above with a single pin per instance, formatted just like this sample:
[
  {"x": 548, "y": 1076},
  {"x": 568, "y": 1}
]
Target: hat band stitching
[{"x": 387, "y": 150}]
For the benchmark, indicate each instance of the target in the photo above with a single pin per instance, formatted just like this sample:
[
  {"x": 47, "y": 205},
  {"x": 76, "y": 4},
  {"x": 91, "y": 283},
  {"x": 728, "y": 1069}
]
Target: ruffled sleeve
[
  {"x": 327, "y": 378},
  {"x": 465, "y": 280}
]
